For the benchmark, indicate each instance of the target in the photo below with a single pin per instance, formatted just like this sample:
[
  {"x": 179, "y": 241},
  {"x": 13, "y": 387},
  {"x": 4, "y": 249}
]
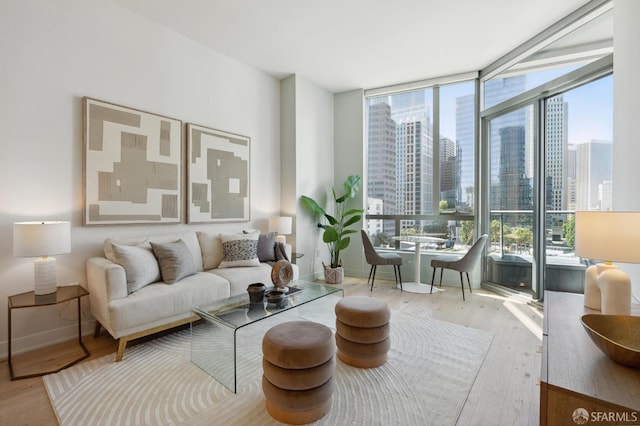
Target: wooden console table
[{"x": 575, "y": 374}]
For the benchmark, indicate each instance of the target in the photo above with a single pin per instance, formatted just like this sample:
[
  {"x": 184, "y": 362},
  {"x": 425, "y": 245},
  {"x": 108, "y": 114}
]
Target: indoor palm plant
[{"x": 336, "y": 232}]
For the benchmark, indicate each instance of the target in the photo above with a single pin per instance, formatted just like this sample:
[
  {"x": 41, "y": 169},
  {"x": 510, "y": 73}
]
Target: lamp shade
[
  {"x": 280, "y": 224},
  {"x": 32, "y": 239},
  {"x": 609, "y": 236}
]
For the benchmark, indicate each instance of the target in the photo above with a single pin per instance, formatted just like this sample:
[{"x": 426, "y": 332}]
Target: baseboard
[{"x": 46, "y": 338}]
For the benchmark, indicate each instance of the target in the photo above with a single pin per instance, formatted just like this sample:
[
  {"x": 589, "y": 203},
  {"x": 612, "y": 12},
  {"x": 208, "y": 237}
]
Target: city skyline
[{"x": 567, "y": 118}]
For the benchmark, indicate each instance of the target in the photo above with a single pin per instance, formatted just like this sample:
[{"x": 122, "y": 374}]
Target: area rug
[{"x": 431, "y": 368}]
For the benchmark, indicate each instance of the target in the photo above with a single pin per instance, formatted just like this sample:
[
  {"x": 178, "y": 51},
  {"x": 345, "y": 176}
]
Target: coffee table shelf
[{"x": 214, "y": 343}]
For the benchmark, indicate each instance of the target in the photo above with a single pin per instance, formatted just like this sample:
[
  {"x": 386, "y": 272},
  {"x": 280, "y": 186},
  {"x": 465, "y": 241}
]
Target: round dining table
[{"x": 418, "y": 240}]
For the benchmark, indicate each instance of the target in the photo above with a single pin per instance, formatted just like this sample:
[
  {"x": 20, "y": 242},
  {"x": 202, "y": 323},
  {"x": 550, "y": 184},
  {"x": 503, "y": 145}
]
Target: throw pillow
[
  {"x": 175, "y": 261},
  {"x": 239, "y": 250},
  {"x": 109, "y": 242},
  {"x": 281, "y": 252},
  {"x": 139, "y": 263},
  {"x": 267, "y": 247},
  {"x": 211, "y": 248}
]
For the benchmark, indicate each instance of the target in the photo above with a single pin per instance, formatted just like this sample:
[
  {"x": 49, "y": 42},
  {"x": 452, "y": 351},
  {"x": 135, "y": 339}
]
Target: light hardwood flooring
[{"x": 506, "y": 390}]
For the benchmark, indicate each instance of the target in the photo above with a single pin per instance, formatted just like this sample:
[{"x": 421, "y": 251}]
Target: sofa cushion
[
  {"x": 140, "y": 265},
  {"x": 240, "y": 278},
  {"x": 239, "y": 250},
  {"x": 148, "y": 306},
  {"x": 175, "y": 261}
]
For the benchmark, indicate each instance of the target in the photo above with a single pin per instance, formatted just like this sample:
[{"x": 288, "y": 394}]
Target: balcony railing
[
  {"x": 510, "y": 251},
  {"x": 382, "y": 227}
]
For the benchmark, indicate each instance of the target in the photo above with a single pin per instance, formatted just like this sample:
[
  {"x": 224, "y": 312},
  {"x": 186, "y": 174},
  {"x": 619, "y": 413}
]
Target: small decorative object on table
[
  {"x": 256, "y": 292},
  {"x": 277, "y": 298},
  {"x": 281, "y": 275}
]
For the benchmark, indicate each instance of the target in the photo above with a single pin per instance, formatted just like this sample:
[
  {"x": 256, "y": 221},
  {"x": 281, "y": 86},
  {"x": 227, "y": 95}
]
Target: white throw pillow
[
  {"x": 211, "y": 247},
  {"x": 239, "y": 250},
  {"x": 139, "y": 263},
  {"x": 109, "y": 242}
]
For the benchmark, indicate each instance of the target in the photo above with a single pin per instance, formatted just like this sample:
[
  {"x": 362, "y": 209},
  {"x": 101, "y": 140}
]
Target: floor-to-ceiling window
[
  {"x": 427, "y": 173},
  {"x": 579, "y": 148},
  {"x": 546, "y": 138},
  {"x": 573, "y": 171},
  {"x": 420, "y": 177},
  {"x": 511, "y": 189}
]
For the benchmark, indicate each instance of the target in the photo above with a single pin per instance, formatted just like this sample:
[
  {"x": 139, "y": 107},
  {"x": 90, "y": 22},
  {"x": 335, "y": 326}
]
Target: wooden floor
[{"x": 506, "y": 391}]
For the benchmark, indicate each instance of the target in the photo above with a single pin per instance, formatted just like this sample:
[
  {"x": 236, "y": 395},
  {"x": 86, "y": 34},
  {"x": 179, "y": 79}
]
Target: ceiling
[{"x": 342, "y": 45}]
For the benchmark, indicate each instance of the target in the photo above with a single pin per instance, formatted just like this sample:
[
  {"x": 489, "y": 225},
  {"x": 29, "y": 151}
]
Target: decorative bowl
[
  {"x": 276, "y": 298},
  {"x": 618, "y": 336}
]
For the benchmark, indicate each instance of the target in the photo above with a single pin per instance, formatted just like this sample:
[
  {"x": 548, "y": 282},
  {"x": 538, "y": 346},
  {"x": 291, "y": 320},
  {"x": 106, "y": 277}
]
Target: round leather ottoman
[
  {"x": 362, "y": 331},
  {"x": 298, "y": 365}
]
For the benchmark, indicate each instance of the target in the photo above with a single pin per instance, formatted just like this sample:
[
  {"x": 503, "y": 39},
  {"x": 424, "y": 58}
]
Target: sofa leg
[
  {"x": 96, "y": 331},
  {"x": 122, "y": 345}
]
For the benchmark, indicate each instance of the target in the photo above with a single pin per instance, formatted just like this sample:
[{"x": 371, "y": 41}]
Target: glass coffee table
[{"x": 214, "y": 341}]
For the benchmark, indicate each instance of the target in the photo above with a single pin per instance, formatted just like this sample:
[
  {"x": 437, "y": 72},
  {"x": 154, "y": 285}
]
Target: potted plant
[{"x": 336, "y": 232}]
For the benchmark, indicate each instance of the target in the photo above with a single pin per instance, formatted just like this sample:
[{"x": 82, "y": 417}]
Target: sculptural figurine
[{"x": 607, "y": 289}]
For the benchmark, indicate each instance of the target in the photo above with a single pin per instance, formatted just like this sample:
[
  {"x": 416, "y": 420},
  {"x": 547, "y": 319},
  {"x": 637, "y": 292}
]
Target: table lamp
[
  {"x": 42, "y": 239},
  {"x": 608, "y": 236},
  {"x": 281, "y": 225}
]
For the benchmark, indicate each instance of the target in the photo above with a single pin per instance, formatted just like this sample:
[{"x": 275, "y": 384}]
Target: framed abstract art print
[
  {"x": 132, "y": 166},
  {"x": 218, "y": 165}
]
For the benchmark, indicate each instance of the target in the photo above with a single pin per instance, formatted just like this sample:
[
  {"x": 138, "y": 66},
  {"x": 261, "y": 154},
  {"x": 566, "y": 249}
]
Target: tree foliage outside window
[
  {"x": 466, "y": 232},
  {"x": 569, "y": 231}
]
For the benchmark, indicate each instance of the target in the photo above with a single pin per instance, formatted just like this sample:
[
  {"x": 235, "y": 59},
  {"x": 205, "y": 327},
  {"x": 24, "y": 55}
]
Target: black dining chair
[
  {"x": 464, "y": 264},
  {"x": 374, "y": 259}
]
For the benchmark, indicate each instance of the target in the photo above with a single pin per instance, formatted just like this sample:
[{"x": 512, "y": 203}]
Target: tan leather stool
[
  {"x": 362, "y": 331},
  {"x": 298, "y": 366}
]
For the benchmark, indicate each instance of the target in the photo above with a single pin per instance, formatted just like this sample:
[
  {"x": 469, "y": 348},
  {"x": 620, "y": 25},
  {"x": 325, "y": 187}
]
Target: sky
[
  {"x": 591, "y": 111},
  {"x": 590, "y": 107}
]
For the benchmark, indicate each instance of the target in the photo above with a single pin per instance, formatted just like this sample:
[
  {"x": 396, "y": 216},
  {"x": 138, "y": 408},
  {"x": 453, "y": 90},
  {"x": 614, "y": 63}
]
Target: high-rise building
[
  {"x": 511, "y": 148},
  {"x": 556, "y": 153},
  {"x": 605, "y": 195},
  {"x": 381, "y": 161},
  {"x": 414, "y": 146},
  {"x": 415, "y": 171},
  {"x": 449, "y": 176},
  {"x": 400, "y": 155},
  {"x": 514, "y": 188},
  {"x": 571, "y": 176},
  {"x": 375, "y": 206},
  {"x": 594, "y": 167},
  {"x": 465, "y": 155}
]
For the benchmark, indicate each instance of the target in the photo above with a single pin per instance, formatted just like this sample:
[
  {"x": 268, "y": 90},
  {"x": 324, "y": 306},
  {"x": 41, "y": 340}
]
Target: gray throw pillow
[
  {"x": 281, "y": 253},
  {"x": 139, "y": 263},
  {"x": 267, "y": 247},
  {"x": 175, "y": 261}
]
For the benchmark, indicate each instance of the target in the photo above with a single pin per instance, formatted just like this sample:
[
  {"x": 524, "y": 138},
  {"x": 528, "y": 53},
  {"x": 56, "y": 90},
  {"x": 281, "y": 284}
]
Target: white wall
[
  {"x": 54, "y": 53},
  {"x": 307, "y": 129},
  {"x": 626, "y": 92},
  {"x": 350, "y": 160}
]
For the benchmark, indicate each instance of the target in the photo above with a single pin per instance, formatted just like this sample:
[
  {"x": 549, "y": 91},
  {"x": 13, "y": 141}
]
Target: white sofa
[{"x": 129, "y": 313}]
